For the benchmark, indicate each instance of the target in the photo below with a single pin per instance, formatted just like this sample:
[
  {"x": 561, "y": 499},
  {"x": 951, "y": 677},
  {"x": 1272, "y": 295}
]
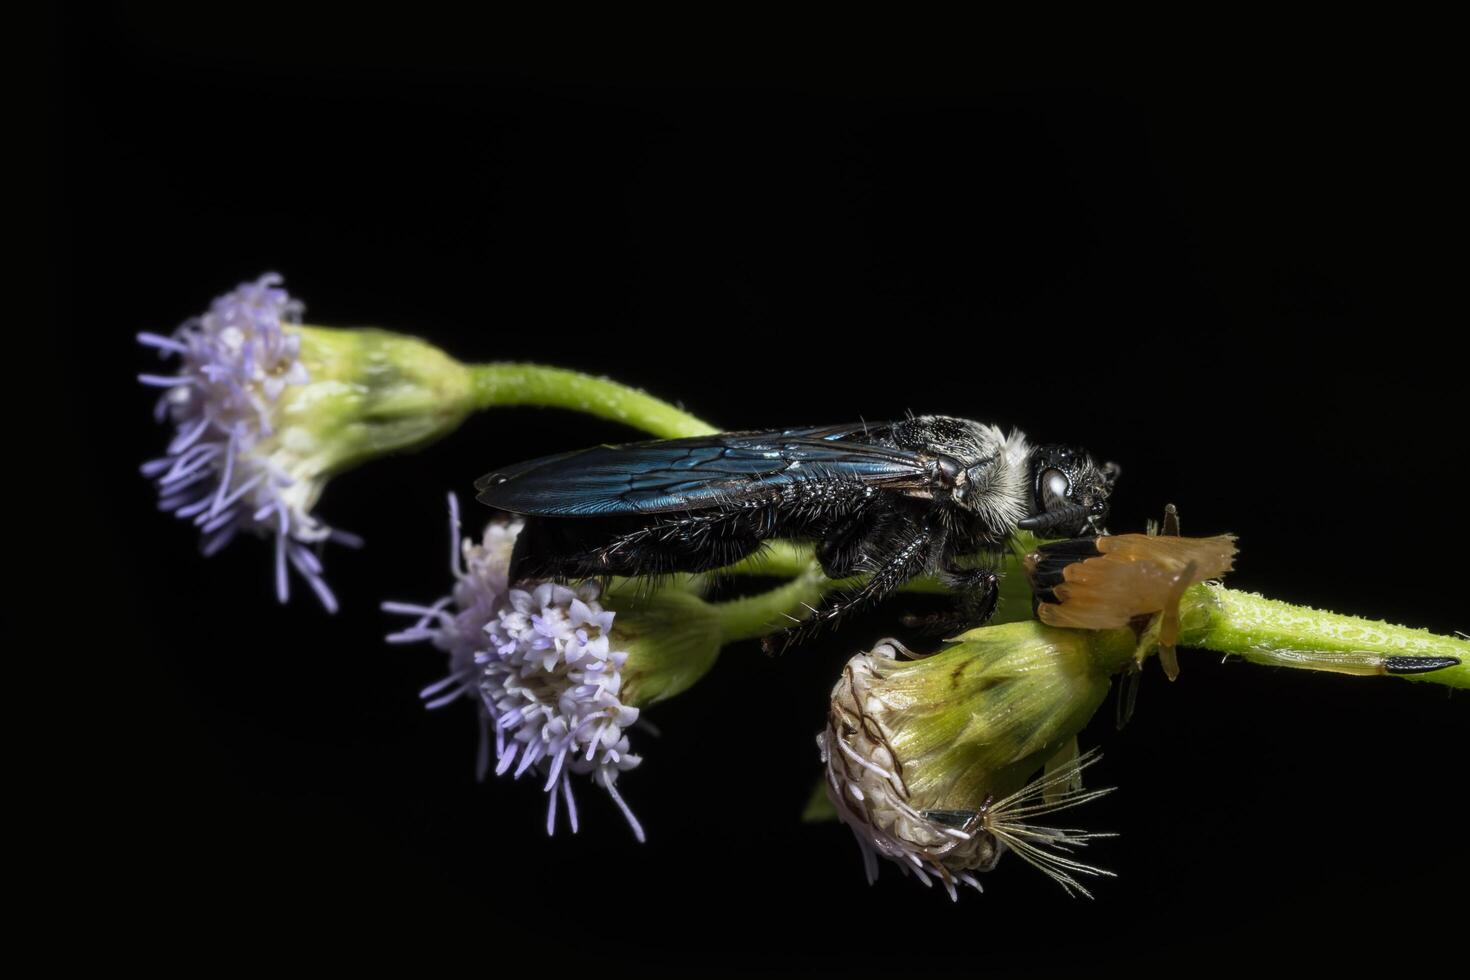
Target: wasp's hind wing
[{"x": 686, "y": 475}]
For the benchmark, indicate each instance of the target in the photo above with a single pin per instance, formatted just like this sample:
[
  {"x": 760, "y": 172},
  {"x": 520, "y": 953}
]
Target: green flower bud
[
  {"x": 369, "y": 392},
  {"x": 672, "y": 637},
  {"x": 928, "y": 760}
]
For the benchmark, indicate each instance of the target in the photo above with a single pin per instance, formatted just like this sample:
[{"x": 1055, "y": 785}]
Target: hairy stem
[
  {"x": 499, "y": 385},
  {"x": 1267, "y": 631},
  {"x": 751, "y": 617}
]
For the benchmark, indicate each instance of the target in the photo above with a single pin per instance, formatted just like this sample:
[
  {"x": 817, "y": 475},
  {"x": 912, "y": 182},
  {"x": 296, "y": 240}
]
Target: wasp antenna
[{"x": 1042, "y": 522}]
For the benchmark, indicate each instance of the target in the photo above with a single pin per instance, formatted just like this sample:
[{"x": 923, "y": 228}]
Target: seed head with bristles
[{"x": 940, "y": 787}]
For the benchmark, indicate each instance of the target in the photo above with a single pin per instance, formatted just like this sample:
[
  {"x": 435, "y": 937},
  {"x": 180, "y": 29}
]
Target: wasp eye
[{"x": 1055, "y": 488}]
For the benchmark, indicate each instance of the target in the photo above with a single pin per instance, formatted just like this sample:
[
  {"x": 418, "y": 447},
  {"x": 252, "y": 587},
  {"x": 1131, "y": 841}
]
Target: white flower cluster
[
  {"x": 552, "y": 682},
  {"x": 539, "y": 663},
  {"x": 234, "y": 364}
]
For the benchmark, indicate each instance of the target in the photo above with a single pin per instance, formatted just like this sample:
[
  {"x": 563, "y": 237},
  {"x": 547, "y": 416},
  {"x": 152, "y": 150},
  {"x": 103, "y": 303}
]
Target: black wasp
[{"x": 892, "y": 500}]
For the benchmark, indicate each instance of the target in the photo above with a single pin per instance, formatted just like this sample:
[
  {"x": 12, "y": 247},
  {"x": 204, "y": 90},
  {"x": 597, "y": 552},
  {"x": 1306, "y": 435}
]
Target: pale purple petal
[
  {"x": 233, "y": 364},
  {"x": 540, "y": 660}
]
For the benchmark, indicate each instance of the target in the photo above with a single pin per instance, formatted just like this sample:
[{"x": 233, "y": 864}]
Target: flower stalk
[
  {"x": 1275, "y": 633},
  {"x": 502, "y": 385},
  {"x": 755, "y": 616}
]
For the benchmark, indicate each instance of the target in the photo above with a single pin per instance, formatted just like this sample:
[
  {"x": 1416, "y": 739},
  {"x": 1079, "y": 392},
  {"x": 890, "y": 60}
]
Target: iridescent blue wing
[{"x": 695, "y": 473}]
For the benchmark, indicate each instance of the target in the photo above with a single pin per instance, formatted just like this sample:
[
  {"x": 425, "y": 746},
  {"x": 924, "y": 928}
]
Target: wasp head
[{"x": 1069, "y": 492}]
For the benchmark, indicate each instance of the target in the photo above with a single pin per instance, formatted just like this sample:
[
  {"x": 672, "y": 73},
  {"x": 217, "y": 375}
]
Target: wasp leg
[
  {"x": 977, "y": 591},
  {"x": 572, "y": 550},
  {"x": 907, "y": 560},
  {"x": 691, "y": 543},
  {"x": 848, "y": 549}
]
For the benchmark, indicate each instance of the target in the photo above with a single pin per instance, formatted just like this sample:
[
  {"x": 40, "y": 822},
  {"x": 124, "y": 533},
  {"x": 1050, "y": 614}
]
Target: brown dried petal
[{"x": 1135, "y": 575}]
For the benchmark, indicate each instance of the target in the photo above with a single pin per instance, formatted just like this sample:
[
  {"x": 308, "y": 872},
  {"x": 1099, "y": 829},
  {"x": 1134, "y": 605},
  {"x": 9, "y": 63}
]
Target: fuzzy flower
[
  {"x": 235, "y": 362},
  {"x": 555, "y": 683},
  {"x": 552, "y": 682},
  {"x": 456, "y": 623},
  {"x": 930, "y": 762},
  {"x": 265, "y": 409}
]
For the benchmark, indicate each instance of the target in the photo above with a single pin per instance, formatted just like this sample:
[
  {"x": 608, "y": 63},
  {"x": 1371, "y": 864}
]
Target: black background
[{"x": 1226, "y": 270}]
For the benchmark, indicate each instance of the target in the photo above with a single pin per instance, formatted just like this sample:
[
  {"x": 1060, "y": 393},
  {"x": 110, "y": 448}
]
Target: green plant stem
[
  {"x": 1275, "y": 633},
  {"x": 751, "y": 617},
  {"x": 778, "y": 559},
  {"x": 500, "y": 385}
]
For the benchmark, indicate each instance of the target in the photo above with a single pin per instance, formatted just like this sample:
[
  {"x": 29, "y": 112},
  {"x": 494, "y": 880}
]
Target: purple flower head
[
  {"x": 456, "y": 623},
  {"x": 226, "y": 469},
  {"x": 551, "y": 681},
  {"x": 540, "y": 663}
]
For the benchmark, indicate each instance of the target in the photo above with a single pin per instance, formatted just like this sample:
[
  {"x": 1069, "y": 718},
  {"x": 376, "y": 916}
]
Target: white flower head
[
  {"x": 225, "y": 469},
  {"x": 456, "y": 623},
  {"x": 539, "y": 661},
  {"x": 551, "y": 680}
]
